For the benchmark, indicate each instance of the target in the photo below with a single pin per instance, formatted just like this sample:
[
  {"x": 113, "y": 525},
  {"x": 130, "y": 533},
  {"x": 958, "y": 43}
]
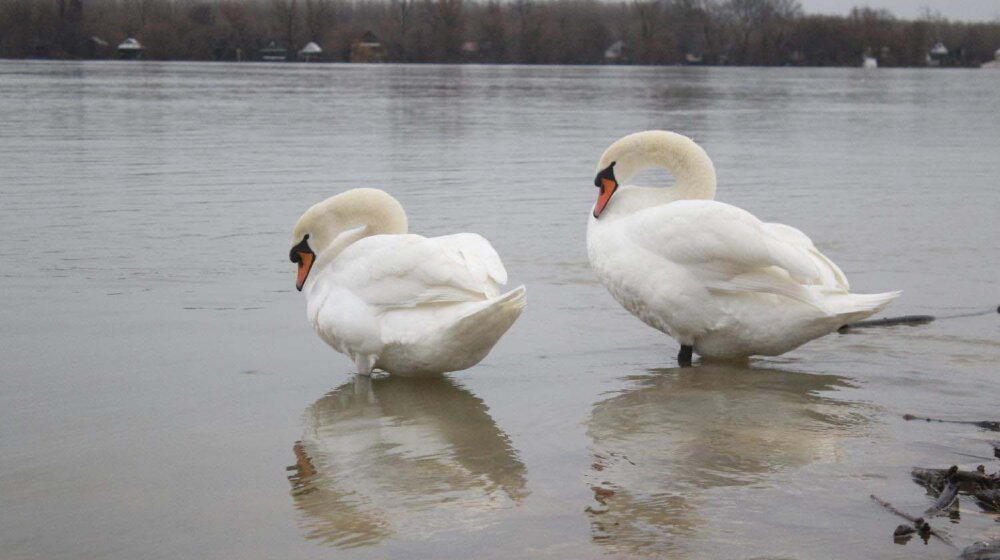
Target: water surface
[{"x": 163, "y": 396}]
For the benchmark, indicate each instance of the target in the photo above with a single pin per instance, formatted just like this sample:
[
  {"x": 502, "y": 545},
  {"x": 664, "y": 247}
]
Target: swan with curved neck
[
  {"x": 403, "y": 303},
  {"x": 711, "y": 275},
  {"x": 685, "y": 160}
]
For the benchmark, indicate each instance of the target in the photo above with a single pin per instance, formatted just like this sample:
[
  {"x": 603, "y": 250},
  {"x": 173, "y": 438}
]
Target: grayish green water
[{"x": 162, "y": 395}]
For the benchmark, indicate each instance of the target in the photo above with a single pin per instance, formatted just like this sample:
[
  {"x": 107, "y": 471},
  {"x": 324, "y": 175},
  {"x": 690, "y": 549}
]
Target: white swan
[
  {"x": 712, "y": 276},
  {"x": 399, "y": 302}
]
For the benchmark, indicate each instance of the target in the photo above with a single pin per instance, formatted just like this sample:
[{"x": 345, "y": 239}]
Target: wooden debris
[
  {"x": 888, "y": 322},
  {"x": 937, "y": 479},
  {"x": 945, "y": 500},
  {"x": 991, "y": 425},
  {"x": 920, "y": 525},
  {"x": 988, "y": 499}
]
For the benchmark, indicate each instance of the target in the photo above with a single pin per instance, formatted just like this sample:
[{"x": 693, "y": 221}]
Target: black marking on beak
[
  {"x": 302, "y": 247},
  {"x": 606, "y": 173}
]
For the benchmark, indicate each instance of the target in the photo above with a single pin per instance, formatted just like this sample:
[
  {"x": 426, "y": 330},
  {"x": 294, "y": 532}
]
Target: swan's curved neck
[
  {"x": 685, "y": 160},
  {"x": 341, "y": 220},
  {"x": 679, "y": 155}
]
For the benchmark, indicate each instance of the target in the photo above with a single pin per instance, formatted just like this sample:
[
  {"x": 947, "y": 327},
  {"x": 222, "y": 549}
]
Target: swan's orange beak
[
  {"x": 608, "y": 188},
  {"x": 305, "y": 265},
  {"x": 303, "y": 255},
  {"x": 605, "y": 181}
]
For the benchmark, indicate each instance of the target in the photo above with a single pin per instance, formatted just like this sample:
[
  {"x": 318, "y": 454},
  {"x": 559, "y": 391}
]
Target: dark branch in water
[
  {"x": 967, "y": 480},
  {"x": 991, "y": 425},
  {"x": 911, "y": 320},
  {"x": 919, "y": 523},
  {"x": 988, "y": 499},
  {"x": 945, "y": 500}
]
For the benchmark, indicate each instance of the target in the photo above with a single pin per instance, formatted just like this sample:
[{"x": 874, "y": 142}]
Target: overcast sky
[{"x": 969, "y": 10}]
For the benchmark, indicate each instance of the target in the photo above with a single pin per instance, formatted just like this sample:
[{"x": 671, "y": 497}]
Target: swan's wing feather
[
  {"x": 769, "y": 281},
  {"x": 717, "y": 240},
  {"x": 393, "y": 271},
  {"x": 830, "y": 273},
  {"x": 480, "y": 257}
]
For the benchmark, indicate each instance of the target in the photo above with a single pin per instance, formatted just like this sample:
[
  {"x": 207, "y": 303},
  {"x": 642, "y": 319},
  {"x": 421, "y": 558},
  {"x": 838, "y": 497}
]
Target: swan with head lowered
[
  {"x": 714, "y": 277},
  {"x": 403, "y": 303}
]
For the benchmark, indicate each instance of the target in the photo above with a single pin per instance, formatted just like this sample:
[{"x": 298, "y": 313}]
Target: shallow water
[{"x": 163, "y": 396}]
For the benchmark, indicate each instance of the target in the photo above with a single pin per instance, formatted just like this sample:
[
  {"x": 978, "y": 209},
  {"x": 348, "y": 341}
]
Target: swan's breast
[{"x": 636, "y": 280}]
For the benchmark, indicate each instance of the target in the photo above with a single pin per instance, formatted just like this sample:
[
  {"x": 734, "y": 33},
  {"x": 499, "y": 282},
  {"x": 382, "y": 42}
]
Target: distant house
[
  {"x": 95, "y": 47},
  {"x": 616, "y": 53},
  {"x": 694, "y": 59},
  {"x": 130, "y": 49},
  {"x": 993, "y": 64},
  {"x": 274, "y": 52},
  {"x": 938, "y": 55},
  {"x": 367, "y": 49},
  {"x": 310, "y": 52}
]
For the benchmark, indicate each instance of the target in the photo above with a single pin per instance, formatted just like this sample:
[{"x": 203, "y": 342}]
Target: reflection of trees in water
[
  {"x": 661, "y": 446},
  {"x": 401, "y": 457}
]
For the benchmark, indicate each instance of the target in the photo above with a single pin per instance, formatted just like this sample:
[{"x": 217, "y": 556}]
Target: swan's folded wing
[
  {"x": 717, "y": 239},
  {"x": 480, "y": 257},
  {"x": 410, "y": 270},
  {"x": 831, "y": 275}
]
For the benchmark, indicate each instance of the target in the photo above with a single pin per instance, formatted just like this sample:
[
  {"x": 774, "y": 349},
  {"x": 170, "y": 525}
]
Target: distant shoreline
[
  {"x": 468, "y": 64},
  {"x": 531, "y": 32}
]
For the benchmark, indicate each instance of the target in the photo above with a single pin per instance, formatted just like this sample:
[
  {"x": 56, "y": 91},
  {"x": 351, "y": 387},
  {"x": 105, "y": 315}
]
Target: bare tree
[
  {"x": 286, "y": 16},
  {"x": 400, "y": 20},
  {"x": 649, "y": 15},
  {"x": 319, "y": 18}
]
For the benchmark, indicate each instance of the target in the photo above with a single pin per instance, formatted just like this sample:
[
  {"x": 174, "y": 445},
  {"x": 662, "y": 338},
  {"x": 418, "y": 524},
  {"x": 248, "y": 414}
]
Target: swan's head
[
  {"x": 678, "y": 154},
  {"x": 330, "y": 226}
]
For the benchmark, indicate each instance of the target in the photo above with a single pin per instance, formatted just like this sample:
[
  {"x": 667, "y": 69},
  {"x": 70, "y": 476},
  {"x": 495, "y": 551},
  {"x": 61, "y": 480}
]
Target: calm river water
[{"x": 162, "y": 395}]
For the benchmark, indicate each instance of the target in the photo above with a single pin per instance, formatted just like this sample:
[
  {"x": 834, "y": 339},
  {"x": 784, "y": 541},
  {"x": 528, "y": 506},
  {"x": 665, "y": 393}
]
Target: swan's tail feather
[
  {"x": 493, "y": 317},
  {"x": 855, "y": 307}
]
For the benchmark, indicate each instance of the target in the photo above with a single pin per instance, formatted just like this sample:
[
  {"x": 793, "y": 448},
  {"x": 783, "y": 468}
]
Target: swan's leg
[
  {"x": 685, "y": 355},
  {"x": 365, "y": 363}
]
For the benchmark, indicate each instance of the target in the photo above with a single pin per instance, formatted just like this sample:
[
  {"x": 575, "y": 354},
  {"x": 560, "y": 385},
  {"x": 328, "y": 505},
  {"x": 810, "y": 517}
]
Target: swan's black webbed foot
[{"x": 685, "y": 355}]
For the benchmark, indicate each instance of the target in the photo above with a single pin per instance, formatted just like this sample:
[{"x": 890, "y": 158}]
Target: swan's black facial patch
[
  {"x": 606, "y": 173},
  {"x": 302, "y": 247}
]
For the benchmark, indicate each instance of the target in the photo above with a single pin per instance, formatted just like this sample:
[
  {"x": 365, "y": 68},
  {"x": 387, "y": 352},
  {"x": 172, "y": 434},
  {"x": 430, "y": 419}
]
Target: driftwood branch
[
  {"x": 992, "y": 425},
  {"x": 888, "y": 322},
  {"x": 919, "y": 523},
  {"x": 988, "y": 499},
  {"x": 944, "y": 501},
  {"x": 968, "y": 480}
]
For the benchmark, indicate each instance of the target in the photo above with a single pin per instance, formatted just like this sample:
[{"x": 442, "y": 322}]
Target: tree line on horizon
[{"x": 654, "y": 32}]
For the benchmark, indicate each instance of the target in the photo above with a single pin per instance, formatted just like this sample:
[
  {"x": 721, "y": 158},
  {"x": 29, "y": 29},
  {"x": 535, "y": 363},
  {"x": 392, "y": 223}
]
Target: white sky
[{"x": 968, "y": 10}]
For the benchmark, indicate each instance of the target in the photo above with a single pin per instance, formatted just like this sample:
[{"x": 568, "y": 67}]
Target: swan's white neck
[
  {"x": 682, "y": 157},
  {"x": 337, "y": 222}
]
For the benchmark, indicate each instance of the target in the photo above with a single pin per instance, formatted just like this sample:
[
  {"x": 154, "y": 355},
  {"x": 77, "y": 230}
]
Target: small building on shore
[
  {"x": 993, "y": 64},
  {"x": 617, "y": 53},
  {"x": 130, "y": 49},
  {"x": 368, "y": 49},
  {"x": 274, "y": 52},
  {"x": 310, "y": 52},
  {"x": 938, "y": 55}
]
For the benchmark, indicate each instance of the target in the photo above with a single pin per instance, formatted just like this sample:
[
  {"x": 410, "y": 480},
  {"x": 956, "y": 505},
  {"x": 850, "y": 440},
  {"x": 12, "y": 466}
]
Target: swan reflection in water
[
  {"x": 663, "y": 445},
  {"x": 401, "y": 457}
]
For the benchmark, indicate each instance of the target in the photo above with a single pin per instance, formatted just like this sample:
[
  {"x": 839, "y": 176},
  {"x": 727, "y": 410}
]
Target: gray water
[{"x": 163, "y": 396}]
